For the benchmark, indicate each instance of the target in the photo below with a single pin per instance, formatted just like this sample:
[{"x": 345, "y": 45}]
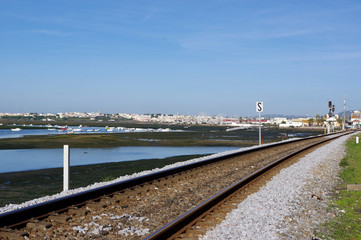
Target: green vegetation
[
  {"x": 348, "y": 225},
  {"x": 311, "y": 121},
  {"x": 17, "y": 187},
  {"x": 21, "y": 126},
  {"x": 191, "y": 136}
]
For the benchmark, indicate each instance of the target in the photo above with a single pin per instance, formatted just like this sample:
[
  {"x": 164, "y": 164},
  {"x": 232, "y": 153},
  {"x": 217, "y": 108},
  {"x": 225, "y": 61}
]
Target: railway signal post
[
  {"x": 331, "y": 118},
  {"x": 259, "y": 109}
]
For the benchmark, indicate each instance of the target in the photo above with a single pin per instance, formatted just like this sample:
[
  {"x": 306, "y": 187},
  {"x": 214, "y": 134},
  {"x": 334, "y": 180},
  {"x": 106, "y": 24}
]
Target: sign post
[
  {"x": 66, "y": 159},
  {"x": 259, "y": 109}
]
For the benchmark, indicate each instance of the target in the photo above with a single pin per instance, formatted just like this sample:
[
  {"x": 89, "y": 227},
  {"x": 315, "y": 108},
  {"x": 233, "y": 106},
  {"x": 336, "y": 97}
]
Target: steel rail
[
  {"x": 19, "y": 217},
  {"x": 178, "y": 225}
]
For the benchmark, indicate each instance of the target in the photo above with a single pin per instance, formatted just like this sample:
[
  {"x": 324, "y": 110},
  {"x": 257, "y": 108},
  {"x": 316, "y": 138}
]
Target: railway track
[{"x": 137, "y": 208}]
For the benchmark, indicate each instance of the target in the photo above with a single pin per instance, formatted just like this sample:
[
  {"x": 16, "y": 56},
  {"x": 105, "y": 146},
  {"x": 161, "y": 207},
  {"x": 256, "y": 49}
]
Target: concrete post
[
  {"x": 66, "y": 168},
  {"x": 357, "y": 140}
]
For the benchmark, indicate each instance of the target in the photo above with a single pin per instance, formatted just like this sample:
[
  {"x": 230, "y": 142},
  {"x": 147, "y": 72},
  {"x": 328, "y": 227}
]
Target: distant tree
[
  {"x": 319, "y": 121},
  {"x": 339, "y": 121},
  {"x": 311, "y": 121}
]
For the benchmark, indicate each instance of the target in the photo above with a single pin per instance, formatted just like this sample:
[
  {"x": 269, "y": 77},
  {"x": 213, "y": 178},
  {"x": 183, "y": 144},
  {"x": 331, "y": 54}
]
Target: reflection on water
[{"x": 31, "y": 159}]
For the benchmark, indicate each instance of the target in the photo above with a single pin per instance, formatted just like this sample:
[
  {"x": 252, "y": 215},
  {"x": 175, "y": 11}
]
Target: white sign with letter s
[{"x": 259, "y": 106}]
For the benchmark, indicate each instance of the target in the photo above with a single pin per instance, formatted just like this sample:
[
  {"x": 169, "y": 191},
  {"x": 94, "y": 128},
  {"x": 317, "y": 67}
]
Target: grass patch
[{"x": 347, "y": 225}]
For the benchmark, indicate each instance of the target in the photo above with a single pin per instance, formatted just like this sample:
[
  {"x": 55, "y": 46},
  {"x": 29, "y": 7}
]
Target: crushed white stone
[{"x": 292, "y": 204}]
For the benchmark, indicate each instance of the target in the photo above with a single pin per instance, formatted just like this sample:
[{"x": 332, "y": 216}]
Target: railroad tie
[
  {"x": 114, "y": 202},
  {"x": 131, "y": 193},
  {"x": 95, "y": 205},
  {"x": 152, "y": 191},
  {"x": 229, "y": 205},
  {"x": 141, "y": 190},
  {"x": 193, "y": 233},
  {"x": 238, "y": 198},
  {"x": 252, "y": 189},
  {"x": 38, "y": 225},
  {"x": 120, "y": 197},
  {"x": 220, "y": 215},
  {"x": 106, "y": 200},
  {"x": 166, "y": 182},
  {"x": 78, "y": 211},
  {"x": 12, "y": 234},
  {"x": 206, "y": 224},
  {"x": 59, "y": 218}
]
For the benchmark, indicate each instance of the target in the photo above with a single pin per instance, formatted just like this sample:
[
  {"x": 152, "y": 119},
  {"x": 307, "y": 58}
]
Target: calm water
[
  {"x": 8, "y": 133},
  {"x": 31, "y": 159}
]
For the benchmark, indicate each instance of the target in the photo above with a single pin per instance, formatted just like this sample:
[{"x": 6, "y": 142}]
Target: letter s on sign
[{"x": 259, "y": 106}]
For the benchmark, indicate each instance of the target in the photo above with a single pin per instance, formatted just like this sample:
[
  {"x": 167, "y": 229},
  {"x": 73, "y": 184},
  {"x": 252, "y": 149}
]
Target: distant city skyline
[
  {"x": 151, "y": 115},
  {"x": 183, "y": 57}
]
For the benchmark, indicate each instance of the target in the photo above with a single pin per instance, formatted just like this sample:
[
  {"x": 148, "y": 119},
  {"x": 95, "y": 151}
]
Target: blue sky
[{"x": 180, "y": 56}]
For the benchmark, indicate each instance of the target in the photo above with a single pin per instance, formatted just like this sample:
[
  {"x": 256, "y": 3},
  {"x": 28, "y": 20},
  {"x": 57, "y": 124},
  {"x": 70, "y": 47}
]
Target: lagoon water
[
  {"x": 32, "y": 159},
  {"x": 8, "y": 133}
]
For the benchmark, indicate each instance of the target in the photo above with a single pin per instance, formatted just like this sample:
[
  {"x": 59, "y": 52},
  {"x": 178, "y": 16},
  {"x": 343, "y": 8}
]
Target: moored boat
[{"x": 111, "y": 129}]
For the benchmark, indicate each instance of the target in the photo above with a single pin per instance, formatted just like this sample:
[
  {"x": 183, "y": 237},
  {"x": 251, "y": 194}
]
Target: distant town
[{"x": 352, "y": 120}]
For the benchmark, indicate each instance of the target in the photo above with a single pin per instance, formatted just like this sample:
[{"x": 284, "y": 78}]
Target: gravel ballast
[{"x": 291, "y": 205}]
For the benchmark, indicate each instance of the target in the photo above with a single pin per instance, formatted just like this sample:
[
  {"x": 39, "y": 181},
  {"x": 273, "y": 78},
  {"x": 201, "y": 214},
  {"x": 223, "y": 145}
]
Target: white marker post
[
  {"x": 259, "y": 109},
  {"x": 66, "y": 168}
]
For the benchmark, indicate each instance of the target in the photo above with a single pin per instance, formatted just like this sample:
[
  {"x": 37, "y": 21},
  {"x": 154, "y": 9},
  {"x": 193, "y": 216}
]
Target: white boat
[
  {"x": 163, "y": 130},
  {"x": 111, "y": 129},
  {"x": 139, "y": 130},
  {"x": 16, "y": 129},
  {"x": 77, "y": 129}
]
